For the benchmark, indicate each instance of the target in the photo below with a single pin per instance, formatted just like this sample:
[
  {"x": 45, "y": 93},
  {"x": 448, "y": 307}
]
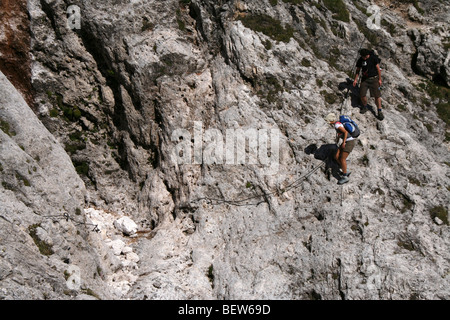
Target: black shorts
[{"x": 372, "y": 85}]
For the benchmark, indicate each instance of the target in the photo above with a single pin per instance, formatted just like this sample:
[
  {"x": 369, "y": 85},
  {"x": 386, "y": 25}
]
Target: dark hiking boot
[
  {"x": 343, "y": 180},
  {"x": 380, "y": 115},
  {"x": 363, "y": 109}
]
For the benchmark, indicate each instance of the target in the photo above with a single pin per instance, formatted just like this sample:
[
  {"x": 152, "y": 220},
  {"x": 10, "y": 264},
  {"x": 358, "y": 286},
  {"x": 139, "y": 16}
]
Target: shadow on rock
[
  {"x": 355, "y": 98},
  {"x": 369, "y": 108},
  {"x": 326, "y": 154}
]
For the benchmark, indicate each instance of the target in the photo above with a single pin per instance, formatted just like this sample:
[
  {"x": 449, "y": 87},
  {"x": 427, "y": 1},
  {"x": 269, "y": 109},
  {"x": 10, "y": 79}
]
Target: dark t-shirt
[{"x": 368, "y": 66}]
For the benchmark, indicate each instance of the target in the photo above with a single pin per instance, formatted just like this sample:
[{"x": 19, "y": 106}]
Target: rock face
[
  {"x": 43, "y": 234},
  {"x": 142, "y": 111},
  {"x": 15, "y": 46}
]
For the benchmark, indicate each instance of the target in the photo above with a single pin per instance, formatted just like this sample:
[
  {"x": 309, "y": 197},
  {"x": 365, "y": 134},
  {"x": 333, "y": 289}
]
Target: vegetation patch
[
  {"x": 294, "y": 1},
  {"x": 267, "y": 44},
  {"x": 415, "y": 181},
  {"x": 8, "y": 186},
  {"x": 90, "y": 292},
  {"x": 6, "y": 128},
  {"x": 365, "y": 160},
  {"x": 77, "y": 142},
  {"x": 210, "y": 275},
  {"x": 446, "y": 44},
  {"x": 81, "y": 167},
  {"x": 439, "y": 212},
  {"x": 360, "y": 7},
  {"x": 306, "y": 62},
  {"x": 25, "y": 181},
  {"x": 371, "y": 35},
  {"x": 338, "y": 8},
  {"x": 389, "y": 27},
  {"x": 44, "y": 247},
  {"x": 269, "y": 26},
  {"x": 408, "y": 203},
  {"x": 147, "y": 25},
  {"x": 183, "y": 6},
  {"x": 401, "y": 107},
  {"x": 70, "y": 113},
  {"x": 181, "y": 23},
  {"x": 269, "y": 88},
  {"x": 406, "y": 244},
  {"x": 334, "y": 56},
  {"x": 415, "y": 3},
  {"x": 67, "y": 275},
  {"x": 330, "y": 98},
  {"x": 319, "y": 82},
  {"x": 440, "y": 94},
  {"x": 54, "y": 113},
  {"x": 72, "y": 148}
]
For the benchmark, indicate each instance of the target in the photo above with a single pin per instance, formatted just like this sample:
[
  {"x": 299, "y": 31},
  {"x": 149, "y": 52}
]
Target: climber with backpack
[
  {"x": 369, "y": 63},
  {"x": 347, "y": 131}
]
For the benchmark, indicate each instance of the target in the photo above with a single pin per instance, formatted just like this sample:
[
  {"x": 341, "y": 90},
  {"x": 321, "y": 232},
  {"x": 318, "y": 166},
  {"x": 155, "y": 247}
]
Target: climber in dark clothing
[{"x": 369, "y": 63}]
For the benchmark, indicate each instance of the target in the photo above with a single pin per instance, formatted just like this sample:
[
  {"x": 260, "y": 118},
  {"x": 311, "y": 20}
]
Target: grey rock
[
  {"x": 142, "y": 75},
  {"x": 126, "y": 225},
  {"x": 42, "y": 229}
]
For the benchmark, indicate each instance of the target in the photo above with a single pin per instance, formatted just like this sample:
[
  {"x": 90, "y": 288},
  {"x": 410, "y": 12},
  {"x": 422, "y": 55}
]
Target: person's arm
[
  {"x": 344, "y": 135},
  {"x": 356, "y": 76},
  {"x": 379, "y": 74}
]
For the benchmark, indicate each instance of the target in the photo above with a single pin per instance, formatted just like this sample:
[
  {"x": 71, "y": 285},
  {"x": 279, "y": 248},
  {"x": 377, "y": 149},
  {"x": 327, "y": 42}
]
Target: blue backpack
[{"x": 350, "y": 126}]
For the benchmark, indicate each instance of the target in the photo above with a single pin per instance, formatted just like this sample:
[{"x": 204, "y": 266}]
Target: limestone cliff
[{"x": 136, "y": 102}]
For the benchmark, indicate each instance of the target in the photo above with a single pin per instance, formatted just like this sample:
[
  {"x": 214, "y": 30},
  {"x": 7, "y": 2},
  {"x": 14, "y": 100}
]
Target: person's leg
[
  {"x": 380, "y": 111},
  {"x": 364, "y": 101},
  {"x": 363, "y": 93},
  {"x": 337, "y": 155},
  {"x": 378, "y": 102},
  {"x": 349, "y": 145},
  {"x": 377, "y": 96},
  {"x": 343, "y": 161},
  {"x": 341, "y": 157}
]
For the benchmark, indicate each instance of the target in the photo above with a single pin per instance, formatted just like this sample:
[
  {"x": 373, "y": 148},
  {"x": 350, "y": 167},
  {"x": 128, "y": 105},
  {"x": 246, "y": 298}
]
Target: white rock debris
[{"x": 114, "y": 239}]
